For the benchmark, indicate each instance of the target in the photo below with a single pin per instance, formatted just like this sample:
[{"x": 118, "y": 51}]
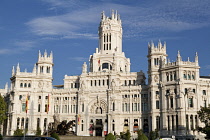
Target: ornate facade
[{"x": 107, "y": 97}]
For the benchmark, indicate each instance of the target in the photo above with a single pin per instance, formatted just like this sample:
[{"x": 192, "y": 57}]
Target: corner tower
[{"x": 109, "y": 55}]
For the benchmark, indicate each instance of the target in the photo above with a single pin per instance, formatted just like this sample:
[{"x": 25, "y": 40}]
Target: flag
[
  {"x": 99, "y": 62},
  {"x": 48, "y": 103},
  {"x": 27, "y": 103},
  {"x": 78, "y": 118}
]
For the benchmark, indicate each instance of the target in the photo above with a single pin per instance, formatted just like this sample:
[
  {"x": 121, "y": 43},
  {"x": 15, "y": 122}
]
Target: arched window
[
  {"x": 171, "y": 76},
  {"x": 125, "y": 83},
  {"x": 98, "y": 110},
  {"x": 38, "y": 123},
  {"x": 22, "y": 123},
  {"x": 29, "y": 85},
  {"x": 167, "y": 76},
  {"x": 193, "y": 76},
  {"x": 174, "y": 75},
  {"x": 21, "y": 85},
  {"x": 105, "y": 66},
  {"x": 113, "y": 106},
  {"x": 185, "y": 76},
  {"x": 41, "y": 69},
  {"x": 18, "y": 122},
  {"x": 45, "y": 123},
  {"x": 26, "y": 125},
  {"x": 189, "y": 77},
  {"x": 48, "y": 69},
  {"x": 25, "y": 85}
]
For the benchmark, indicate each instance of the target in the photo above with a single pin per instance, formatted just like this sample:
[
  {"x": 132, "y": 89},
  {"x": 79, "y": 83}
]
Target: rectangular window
[
  {"x": 23, "y": 107},
  {"x": 135, "y": 107},
  {"x": 157, "y": 104},
  {"x": 190, "y": 102},
  {"x": 172, "y": 102},
  {"x": 83, "y": 107},
  {"x": 123, "y": 107},
  {"x": 205, "y": 105},
  {"x": 126, "y": 107},
  {"x": 20, "y": 97},
  {"x": 82, "y": 127},
  {"x": 39, "y": 107},
  {"x": 113, "y": 126},
  {"x": 45, "y": 108},
  {"x": 204, "y": 92}
]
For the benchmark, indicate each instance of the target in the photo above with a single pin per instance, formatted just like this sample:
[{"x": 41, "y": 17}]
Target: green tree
[
  {"x": 153, "y": 135},
  {"x": 125, "y": 136},
  {"x": 141, "y": 135},
  {"x": 110, "y": 136},
  {"x": 18, "y": 132},
  {"x": 3, "y": 110},
  {"x": 55, "y": 135},
  {"x": 38, "y": 132},
  {"x": 204, "y": 116}
]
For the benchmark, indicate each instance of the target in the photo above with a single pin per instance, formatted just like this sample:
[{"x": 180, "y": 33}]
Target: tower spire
[
  {"x": 196, "y": 58},
  {"x": 13, "y": 70},
  {"x": 179, "y": 58},
  {"x": 18, "y": 68}
]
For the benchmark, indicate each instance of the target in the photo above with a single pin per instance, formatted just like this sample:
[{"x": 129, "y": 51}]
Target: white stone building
[{"x": 107, "y": 97}]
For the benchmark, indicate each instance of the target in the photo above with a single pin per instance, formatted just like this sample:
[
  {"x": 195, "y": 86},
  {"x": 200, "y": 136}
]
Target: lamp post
[
  {"x": 185, "y": 114},
  {"x": 185, "y": 111}
]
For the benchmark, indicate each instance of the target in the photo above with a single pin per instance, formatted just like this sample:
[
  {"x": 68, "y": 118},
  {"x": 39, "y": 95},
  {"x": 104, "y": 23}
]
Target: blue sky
[{"x": 69, "y": 29}]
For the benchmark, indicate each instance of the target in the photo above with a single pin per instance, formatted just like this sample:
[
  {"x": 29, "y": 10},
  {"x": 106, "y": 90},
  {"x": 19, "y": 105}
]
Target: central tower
[
  {"x": 110, "y": 34},
  {"x": 109, "y": 55}
]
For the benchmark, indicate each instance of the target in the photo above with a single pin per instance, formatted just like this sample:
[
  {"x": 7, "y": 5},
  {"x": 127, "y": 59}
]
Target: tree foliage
[
  {"x": 3, "y": 110},
  {"x": 18, "y": 132},
  {"x": 38, "y": 131},
  {"x": 141, "y": 135},
  {"x": 153, "y": 135},
  {"x": 55, "y": 135},
  {"x": 204, "y": 116},
  {"x": 125, "y": 136},
  {"x": 110, "y": 136}
]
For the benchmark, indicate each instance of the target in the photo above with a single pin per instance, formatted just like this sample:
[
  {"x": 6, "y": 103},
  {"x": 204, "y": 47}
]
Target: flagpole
[
  {"x": 47, "y": 124},
  {"x": 25, "y": 128},
  {"x": 26, "y": 110},
  {"x": 48, "y": 108}
]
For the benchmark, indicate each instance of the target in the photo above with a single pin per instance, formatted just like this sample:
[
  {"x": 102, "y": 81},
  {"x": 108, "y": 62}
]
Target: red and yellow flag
[
  {"x": 78, "y": 119},
  {"x": 27, "y": 103}
]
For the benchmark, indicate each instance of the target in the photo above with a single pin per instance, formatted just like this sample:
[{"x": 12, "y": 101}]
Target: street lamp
[{"x": 185, "y": 114}]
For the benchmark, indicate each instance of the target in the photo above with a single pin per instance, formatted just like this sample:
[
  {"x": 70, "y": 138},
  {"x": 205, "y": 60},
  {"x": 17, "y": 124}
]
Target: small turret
[
  {"x": 13, "y": 70},
  {"x": 6, "y": 87},
  {"x": 44, "y": 64},
  {"x": 179, "y": 58},
  {"x": 84, "y": 68},
  {"x": 34, "y": 69},
  {"x": 196, "y": 59},
  {"x": 18, "y": 68}
]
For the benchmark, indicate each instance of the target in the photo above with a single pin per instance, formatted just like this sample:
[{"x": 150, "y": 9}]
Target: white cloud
[
  {"x": 140, "y": 18},
  {"x": 82, "y": 59},
  {"x": 18, "y": 47},
  {"x": 5, "y": 51}
]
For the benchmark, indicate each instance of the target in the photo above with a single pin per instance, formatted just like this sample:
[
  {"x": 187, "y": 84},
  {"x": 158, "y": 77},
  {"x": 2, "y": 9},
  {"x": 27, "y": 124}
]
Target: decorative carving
[{"x": 41, "y": 84}]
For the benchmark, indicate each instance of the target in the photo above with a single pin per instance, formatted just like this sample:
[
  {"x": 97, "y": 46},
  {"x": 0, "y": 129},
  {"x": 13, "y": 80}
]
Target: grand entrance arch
[{"x": 98, "y": 118}]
